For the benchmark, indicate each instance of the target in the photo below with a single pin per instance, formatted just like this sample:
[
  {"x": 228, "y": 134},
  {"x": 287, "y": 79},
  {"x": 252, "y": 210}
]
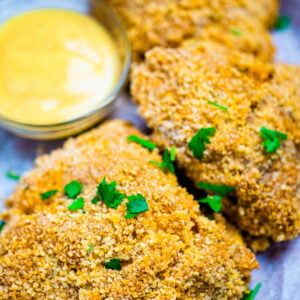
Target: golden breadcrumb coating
[
  {"x": 172, "y": 88},
  {"x": 288, "y": 79},
  {"x": 168, "y": 252},
  {"x": 239, "y": 24}
]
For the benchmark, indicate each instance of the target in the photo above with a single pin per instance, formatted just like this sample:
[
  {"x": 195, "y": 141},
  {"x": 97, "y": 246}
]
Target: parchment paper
[{"x": 280, "y": 265}]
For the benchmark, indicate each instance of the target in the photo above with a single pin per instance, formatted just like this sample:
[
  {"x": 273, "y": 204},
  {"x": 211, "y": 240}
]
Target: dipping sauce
[{"x": 55, "y": 66}]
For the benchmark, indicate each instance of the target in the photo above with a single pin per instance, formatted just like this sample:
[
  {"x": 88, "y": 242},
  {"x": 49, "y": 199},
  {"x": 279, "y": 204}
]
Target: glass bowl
[{"x": 103, "y": 14}]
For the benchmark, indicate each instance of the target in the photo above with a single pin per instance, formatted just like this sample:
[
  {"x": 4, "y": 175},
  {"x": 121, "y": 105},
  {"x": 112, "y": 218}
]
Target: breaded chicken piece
[
  {"x": 288, "y": 78},
  {"x": 172, "y": 89},
  {"x": 238, "y": 24},
  {"x": 168, "y": 252}
]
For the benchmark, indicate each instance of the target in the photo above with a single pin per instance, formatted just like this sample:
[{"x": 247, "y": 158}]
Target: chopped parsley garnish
[
  {"x": 221, "y": 190},
  {"x": 173, "y": 153},
  {"x": 253, "y": 293},
  {"x": 2, "y": 224},
  {"x": 213, "y": 201},
  {"x": 272, "y": 139},
  {"x": 144, "y": 143},
  {"x": 90, "y": 249},
  {"x": 113, "y": 264},
  {"x": 236, "y": 32},
  {"x": 136, "y": 205},
  {"x": 217, "y": 105},
  {"x": 167, "y": 163},
  {"x": 95, "y": 200},
  {"x": 77, "y": 204},
  {"x": 198, "y": 141},
  {"x": 13, "y": 175},
  {"x": 84, "y": 212},
  {"x": 108, "y": 193},
  {"x": 73, "y": 189},
  {"x": 283, "y": 22},
  {"x": 47, "y": 195}
]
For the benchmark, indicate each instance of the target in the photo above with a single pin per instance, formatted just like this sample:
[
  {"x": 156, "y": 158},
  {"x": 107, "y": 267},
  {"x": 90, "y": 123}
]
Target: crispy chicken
[
  {"x": 167, "y": 252},
  {"x": 178, "y": 92},
  {"x": 239, "y": 24}
]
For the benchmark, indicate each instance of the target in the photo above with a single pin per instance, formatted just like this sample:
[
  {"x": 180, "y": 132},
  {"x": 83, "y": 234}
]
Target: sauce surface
[{"x": 55, "y": 66}]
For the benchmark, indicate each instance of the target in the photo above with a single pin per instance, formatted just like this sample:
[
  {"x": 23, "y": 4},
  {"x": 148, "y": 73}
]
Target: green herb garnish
[
  {"x": 253, "y": 293},
  {"x": 90, "y": 249},
  {"x": 198, "y": 141},
  {"x": 144, "y": 143},
  {"x": 13, "y": 175},
  {"x": 47, "y": 195},
  {"x": 173, "y": 153},
  {"x": 95, "y": 200},
  {"x": 282, "y": 23},
  {"x": 221, "y": 190},
  {"x": 136, "y": 205},
  {"x": 108, "y": 193},
  {"x": 2, "y": 224},
  {"x": 73, "y": 189},
  {"x": 217, "y": 105},
  {"x": 272, "y": 139},
  {"x": 167, "y": 163},
  {"x": 213, "y": 201},
  {"x": 236, "y": 32},
  {"x": 113, "y": 264},
  {"x": 77, "y": 204}
]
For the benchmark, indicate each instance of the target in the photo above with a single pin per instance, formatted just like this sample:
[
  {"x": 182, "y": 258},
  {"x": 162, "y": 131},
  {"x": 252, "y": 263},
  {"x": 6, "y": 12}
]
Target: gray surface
[{"x": 280, "y": 265}]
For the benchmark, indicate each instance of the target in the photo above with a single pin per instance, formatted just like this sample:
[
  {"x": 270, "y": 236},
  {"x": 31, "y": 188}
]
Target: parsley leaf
[
  {"x": 144, "y": 143},
  {"x": 136, "y": 205},
  {"x": 221, "y": 190},
  {"x": 113, "y": 264},
  {"x": 282, "y": 23},
  {"x": 77, "y": 204},
  {"x": 272, "y": 139},
  {"x": 236, "y": 32},
  {"x": 73, "y": 189},
  {"x": 94, "y": 200},
  {"x": 253, "y": 293},
  {"x": 108, "y": 193},
  {"x": 167, "y": 162},
  {"x": 2, "y": 224},
  {"x": 47, "y": 195},
  {"x": 173, "y": 153},
  {"x": 13, "y": 175},
  {"x": 213, "y": 201},
  {"x": 217, "y": 105},
  {"x": 198, "y": 141},
  {"x": 90, "y": 249}
]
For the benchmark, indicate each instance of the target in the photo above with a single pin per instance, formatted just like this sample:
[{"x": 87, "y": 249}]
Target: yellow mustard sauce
[{"x": 55, "y": 66}]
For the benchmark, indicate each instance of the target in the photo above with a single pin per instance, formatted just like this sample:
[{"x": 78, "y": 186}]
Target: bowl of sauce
[{"x": 62, "y": 65}]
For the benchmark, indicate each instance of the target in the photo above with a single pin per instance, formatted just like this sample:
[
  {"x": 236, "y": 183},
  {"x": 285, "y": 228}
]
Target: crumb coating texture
[
  {"x": 168, "y": 252},
  {"x": 172, "y": 88},
  {"x": 170, "y": 23}
]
